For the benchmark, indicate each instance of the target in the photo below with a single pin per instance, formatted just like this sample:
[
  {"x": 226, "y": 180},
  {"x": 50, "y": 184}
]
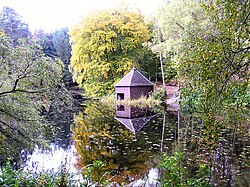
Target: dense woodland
[{"x": 202, "y": 45}]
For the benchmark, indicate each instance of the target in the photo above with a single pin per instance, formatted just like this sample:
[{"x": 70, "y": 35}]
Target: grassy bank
[{"x": 154, "y": 99}]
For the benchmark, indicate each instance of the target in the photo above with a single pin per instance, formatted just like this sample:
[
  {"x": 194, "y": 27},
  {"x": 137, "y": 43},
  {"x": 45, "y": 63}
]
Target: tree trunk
[{"x": 160, "y": 39}]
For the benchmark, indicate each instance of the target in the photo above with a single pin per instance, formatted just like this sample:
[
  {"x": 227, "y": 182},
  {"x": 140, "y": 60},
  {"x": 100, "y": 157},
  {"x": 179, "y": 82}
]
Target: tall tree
[
  {"x": 12, "y": 24},
  {"x": 173, "y": 20},
  {"x": 57, "y": 45},
  {"x": 29, "y": 82},
  {"x": 46, "y": 42},
  {"x": 216, "y": 59},
  {"x": 105, "y": 46},
  {"x": 63, "y": 50}
]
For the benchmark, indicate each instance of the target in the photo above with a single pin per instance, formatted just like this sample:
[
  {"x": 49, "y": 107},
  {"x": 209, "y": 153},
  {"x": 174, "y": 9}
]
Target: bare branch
[
  {"x": 180, "y": 25},
  {"x": 24, "y": 91},
  {"x": 13, "y": 116},
  {"x": 241, "y": 50},
  {"x": 14, "y": 129}
]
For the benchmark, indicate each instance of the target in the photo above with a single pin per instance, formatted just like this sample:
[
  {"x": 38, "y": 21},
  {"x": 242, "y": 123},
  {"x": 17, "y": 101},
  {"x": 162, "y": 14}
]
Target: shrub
[
  {"x": 175, "y": 174},
  {"x": 159, "y": 94}
]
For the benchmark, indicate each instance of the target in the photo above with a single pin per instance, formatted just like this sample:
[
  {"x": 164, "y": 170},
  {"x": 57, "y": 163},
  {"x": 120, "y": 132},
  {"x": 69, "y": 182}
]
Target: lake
[{"x": 131, "y": 142}]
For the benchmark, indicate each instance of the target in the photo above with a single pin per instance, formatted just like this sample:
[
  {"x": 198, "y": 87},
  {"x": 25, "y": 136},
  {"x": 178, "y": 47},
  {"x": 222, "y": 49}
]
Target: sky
[{"x": 50, "y": 15}]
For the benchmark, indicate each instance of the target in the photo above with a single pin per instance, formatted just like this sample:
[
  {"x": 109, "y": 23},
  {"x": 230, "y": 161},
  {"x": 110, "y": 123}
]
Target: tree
[
  {"x": 63, "y": 50},
  {"x": 46, "y": 42},
  {"x": 106, "y": 45},
  {"x": 29, "y": 83},
  {"x": 216, "y": 58},
  {"x": 57, "y": 45},
  {"x": 12, "y": 25},
  {"x": 173, "y": 20}
]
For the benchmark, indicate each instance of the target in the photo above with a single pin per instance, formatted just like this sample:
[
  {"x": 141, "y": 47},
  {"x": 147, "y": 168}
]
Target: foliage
[
  {"x": 29, "y": 83},
  {"x": 142, "y": 102},
  {"x": 90, "y": 170},
  {"x": 61, "y": 178},
  {"x": 174, "y": 18},
  {"x": 215, "y": 73},
  {"x": 106, "y": 45},
  {"x": 57, "y": 45},
  {"x": 159, "y": 94},
  {"x": 63, "y": 50},
  {"x": 149, "y": 62},
  {"x": 109, "y": 100},
  {"x": 175, "y": 173},
  {"x": 45, "y": 41},
  {"x": 215, "y": 61},
  {"x": 12, "y": 25},
  {"x": 155, "y": 99}
]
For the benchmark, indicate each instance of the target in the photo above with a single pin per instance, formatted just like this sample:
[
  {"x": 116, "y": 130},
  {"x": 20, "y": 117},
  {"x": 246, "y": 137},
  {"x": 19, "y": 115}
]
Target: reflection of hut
[
  {"x": 135, "y": 124},
  {"x": 133, "y": 86},
  {"x": 124, "y": 111},
  {"x": 133, "y": 118}
]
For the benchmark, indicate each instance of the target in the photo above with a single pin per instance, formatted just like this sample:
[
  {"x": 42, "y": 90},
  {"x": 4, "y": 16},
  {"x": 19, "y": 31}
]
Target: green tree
[
  {"x": 173, "y": 20},
  {"x": 63, "y": 50},
  {"x": 29, "y": 82},
  {"x": 57, "y": 45},
  {"x": 175, "y": 172},
  {"x": 106, "y": 45},
  {"x": 46, "y": 42},
  {"x": 216, "y": 58},
  {"x": 12, "y": 24}
]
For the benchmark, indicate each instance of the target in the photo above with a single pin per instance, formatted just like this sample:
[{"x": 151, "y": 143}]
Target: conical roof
[{"x": 134, "y": 78}]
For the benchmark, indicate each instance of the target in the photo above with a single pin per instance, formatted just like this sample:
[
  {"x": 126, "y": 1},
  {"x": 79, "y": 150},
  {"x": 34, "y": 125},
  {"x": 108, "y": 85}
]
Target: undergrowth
[{"x": 154, "y": 99}]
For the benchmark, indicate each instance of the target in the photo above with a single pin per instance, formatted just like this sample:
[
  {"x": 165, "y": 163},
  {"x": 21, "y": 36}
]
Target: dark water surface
[{"x": 131, "y": 142}]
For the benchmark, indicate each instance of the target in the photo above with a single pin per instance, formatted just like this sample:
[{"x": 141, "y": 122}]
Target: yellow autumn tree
[{"x": 105, "y": 46}]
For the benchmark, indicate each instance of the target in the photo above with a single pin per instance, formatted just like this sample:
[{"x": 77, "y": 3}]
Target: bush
[
  {"x": 61, "y": 178},
  {"x": 159, "y": 94},
  {"x": 175, "y": 174}
]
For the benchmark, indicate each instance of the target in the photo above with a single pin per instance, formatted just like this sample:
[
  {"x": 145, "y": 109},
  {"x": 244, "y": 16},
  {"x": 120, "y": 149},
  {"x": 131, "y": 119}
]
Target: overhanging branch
[
  {"x": 15, "y": 117},
  {"x": 24, "y": 91},
  {"x": 14, "y": 129}
]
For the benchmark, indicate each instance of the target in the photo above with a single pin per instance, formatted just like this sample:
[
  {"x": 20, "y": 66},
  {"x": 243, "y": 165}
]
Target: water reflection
[
  {"x": 102, "y": 133},
  {"x": 133, "y": 118},
  {"x": 60, "y": 148},
  {"x": 221, "y": 146},
  {"x": 131, "y": 142},
  {"x": 51, "y": 159}
]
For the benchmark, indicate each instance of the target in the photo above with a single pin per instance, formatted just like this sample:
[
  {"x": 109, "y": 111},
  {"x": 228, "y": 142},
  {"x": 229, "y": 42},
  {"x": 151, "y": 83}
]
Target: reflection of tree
[
  {"x": 99, "y": 136},
  {"x": 218, "y": 144}
]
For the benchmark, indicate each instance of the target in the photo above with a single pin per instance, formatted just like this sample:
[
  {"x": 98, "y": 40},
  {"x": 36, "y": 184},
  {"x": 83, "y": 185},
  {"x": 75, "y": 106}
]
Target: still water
[{"x": 131, "y": 142}]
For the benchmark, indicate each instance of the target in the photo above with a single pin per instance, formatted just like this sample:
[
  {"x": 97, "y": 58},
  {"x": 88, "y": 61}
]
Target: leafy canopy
[
  {"x": 174, "y": 18},
  {"x": 29, "y": 81},
  {"x": 216, "y": 58},
  {"x": 105, "y": 46},
  {"x": 12, "y": 25},
  {"x": 57, "y": 45}
]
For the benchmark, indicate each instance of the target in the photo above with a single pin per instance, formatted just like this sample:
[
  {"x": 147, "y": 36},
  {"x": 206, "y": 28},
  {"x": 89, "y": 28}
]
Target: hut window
[
  {"x": 120, "y": 108},
  {"x": 120, "y": 96}
]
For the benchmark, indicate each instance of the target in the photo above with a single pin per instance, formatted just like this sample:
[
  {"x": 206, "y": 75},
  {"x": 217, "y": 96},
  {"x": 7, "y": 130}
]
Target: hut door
[{"x": 120, "y": 96}]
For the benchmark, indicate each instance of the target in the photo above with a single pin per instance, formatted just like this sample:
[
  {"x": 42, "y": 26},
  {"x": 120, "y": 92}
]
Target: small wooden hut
[{"x": 133, "y": 85}]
